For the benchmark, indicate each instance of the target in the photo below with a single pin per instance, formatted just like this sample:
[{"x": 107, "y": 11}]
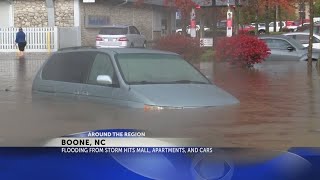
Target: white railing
[{"x": 39, "y": 39}]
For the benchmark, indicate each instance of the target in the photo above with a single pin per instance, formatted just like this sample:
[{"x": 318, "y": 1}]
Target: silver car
[
  {"x": 120, "y": 36},
  {"x": 303, "y": 37},
  {"x": 129, "y": 77},
  {"x": 286, "y": 48}
]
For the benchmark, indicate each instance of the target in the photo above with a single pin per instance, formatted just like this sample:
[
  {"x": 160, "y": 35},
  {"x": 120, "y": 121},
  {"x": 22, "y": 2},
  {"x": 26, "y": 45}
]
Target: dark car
[{"x": 286, "y": 48}]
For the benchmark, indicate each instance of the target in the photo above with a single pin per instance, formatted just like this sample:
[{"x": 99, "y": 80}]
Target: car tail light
[
  {"x": 99, "y": 38},
  {"x": 123, "y": 39}
]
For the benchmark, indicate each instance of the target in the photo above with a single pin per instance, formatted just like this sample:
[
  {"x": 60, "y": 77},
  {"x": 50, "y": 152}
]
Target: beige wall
[
  {"x": 119, "y": 15},
  {"x": 30, "y": 13},
  {"x": 64, "y": 16},
  {"x": 33, "y": 13}
]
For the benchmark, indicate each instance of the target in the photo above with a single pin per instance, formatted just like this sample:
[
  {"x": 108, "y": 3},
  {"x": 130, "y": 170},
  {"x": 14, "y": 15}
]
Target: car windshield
[
  {"x": 158, "y": 69},
  {"x": 113, "y": 31}
]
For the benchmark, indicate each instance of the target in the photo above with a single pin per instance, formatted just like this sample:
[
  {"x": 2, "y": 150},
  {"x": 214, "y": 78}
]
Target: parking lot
[{"x": 279, "y": 107}]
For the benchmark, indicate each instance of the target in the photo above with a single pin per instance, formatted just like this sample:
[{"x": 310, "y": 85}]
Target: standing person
[{"x": 21, "y": 41}]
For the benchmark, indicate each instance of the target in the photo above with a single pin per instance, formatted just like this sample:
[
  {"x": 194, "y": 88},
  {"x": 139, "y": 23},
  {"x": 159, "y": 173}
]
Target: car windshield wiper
[
  {"x": 171, "y": 82},
  {"x": 188, "y": 82},
  {"x": 144, "y": 82}
]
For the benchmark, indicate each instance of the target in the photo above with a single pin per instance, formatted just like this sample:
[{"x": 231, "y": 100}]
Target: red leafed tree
[
  {"x": 185, "y": 7},
  {"x": 243, "y": 50},
  {"x": 189, "y": 48}
]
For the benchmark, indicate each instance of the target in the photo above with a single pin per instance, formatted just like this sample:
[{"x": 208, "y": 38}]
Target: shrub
[
  {"x": 303, "y": 28},
  {"x": 243, "y": 50},
  {"x": 189, "y": 48},
  {"x": 246, "y": 32},
  {"x": 286, "y": 30}
]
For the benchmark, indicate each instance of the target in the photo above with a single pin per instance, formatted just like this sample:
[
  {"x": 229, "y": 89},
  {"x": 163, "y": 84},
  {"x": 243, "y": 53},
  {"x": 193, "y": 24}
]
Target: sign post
[
  {"x": 193, "y": 32},
  {"x": 229, "y": 23}
]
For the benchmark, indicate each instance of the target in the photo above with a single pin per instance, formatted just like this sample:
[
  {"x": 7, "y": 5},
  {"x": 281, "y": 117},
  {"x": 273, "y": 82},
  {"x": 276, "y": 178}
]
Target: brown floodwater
[{"x": 279, "y": 108}]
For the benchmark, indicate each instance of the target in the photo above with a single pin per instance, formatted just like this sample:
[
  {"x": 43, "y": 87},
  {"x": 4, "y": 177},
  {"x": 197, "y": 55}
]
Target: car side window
[
  {"x": 70, "y": 67},
  {"x": 277, "y": 44},
  {"x": 133, "y": 30},
  {"x": 136, "y": 30},
  {"x": 316, "y": 40},
  {"x": 102, "y": 65},
  {"x": 304, "y": 39}
]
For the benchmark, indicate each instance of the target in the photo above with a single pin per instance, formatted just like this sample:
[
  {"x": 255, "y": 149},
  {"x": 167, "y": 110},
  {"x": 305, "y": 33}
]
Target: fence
[{"x": 41, "y": 39}]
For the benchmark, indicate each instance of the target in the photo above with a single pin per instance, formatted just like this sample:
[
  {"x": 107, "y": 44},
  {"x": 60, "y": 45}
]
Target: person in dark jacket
[{"x": 21, "y": 41}]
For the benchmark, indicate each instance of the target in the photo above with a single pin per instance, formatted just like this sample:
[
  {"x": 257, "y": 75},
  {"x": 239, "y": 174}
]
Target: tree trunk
[
  {"x": 267, "y": 16},
  {"x": 214, "y": 24},
  {"x": 280, "y": 19},
  {"x": 311, "y": 10},
  {"x": 275, "y": 19},
  {"x": 184, "y": 26},
  {"x": 202, "y": 17},
  {"x": 169, "y": 22},
  {"x": 256, "y": 18},
  {"x": 236, "y": 18}
]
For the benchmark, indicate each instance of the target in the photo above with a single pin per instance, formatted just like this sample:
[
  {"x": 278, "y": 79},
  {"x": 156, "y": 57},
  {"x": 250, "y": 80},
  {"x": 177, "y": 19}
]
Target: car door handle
[
  {"x": 85, "y": 93},
  {"x": 76, "y": 92}
]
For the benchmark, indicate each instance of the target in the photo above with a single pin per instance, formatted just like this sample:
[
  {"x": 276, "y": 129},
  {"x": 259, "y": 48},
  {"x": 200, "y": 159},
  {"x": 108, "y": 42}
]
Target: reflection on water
[{"x": 280, "y": 107}]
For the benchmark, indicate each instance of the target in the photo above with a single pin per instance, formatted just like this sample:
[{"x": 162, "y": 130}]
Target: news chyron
[{"x": 123, "y": 141}]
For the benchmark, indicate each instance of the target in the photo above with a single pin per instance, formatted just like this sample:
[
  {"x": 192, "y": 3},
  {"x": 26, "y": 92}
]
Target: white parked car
[
  {"x": 120, "y": 36},
  {"x": 189, "y": 31},
  {"x": 262, "y": 29},
  {"x": 303, "y": 37},
  {"x": 271, "y": 26}
]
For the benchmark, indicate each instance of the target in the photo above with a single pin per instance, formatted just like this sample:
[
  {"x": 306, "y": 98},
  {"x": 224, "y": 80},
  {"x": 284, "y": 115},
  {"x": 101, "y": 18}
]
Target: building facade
[{"x": 152, "y": 19}]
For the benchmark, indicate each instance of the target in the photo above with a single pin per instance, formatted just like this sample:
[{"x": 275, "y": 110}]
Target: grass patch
[
  {"x": 208, "y": 55},
  {"x": 276, "y": 33}
]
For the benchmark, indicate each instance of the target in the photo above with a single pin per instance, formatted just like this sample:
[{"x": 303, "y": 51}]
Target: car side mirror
[
  {"x": 290, "y": 48},
  {"x": 104, "y": 80},
  {"x": 210, "y": 78}
]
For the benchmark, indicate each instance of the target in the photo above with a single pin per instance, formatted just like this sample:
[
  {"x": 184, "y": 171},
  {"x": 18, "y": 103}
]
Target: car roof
[
  {"x": 136, "y": 50},
  {"x": 115, "y": 50},
  {"x": 274, "y": 36},
  {"x": 303, "y": 33},
  {"x": 298, "y": 33}
]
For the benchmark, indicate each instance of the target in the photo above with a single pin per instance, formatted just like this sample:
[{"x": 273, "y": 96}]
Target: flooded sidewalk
[{"x": 279, "y": 107}]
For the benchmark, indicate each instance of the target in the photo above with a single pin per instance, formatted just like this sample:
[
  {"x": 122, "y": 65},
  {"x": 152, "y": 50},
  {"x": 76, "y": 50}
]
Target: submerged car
[
  {"x": 129, "y": 77},
  {"x": 303, "y": 37},
  {"x": 286, "y": 48}
]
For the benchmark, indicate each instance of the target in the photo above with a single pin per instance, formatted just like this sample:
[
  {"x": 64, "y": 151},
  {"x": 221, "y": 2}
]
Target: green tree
[{"x": 317, "y": 8}]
